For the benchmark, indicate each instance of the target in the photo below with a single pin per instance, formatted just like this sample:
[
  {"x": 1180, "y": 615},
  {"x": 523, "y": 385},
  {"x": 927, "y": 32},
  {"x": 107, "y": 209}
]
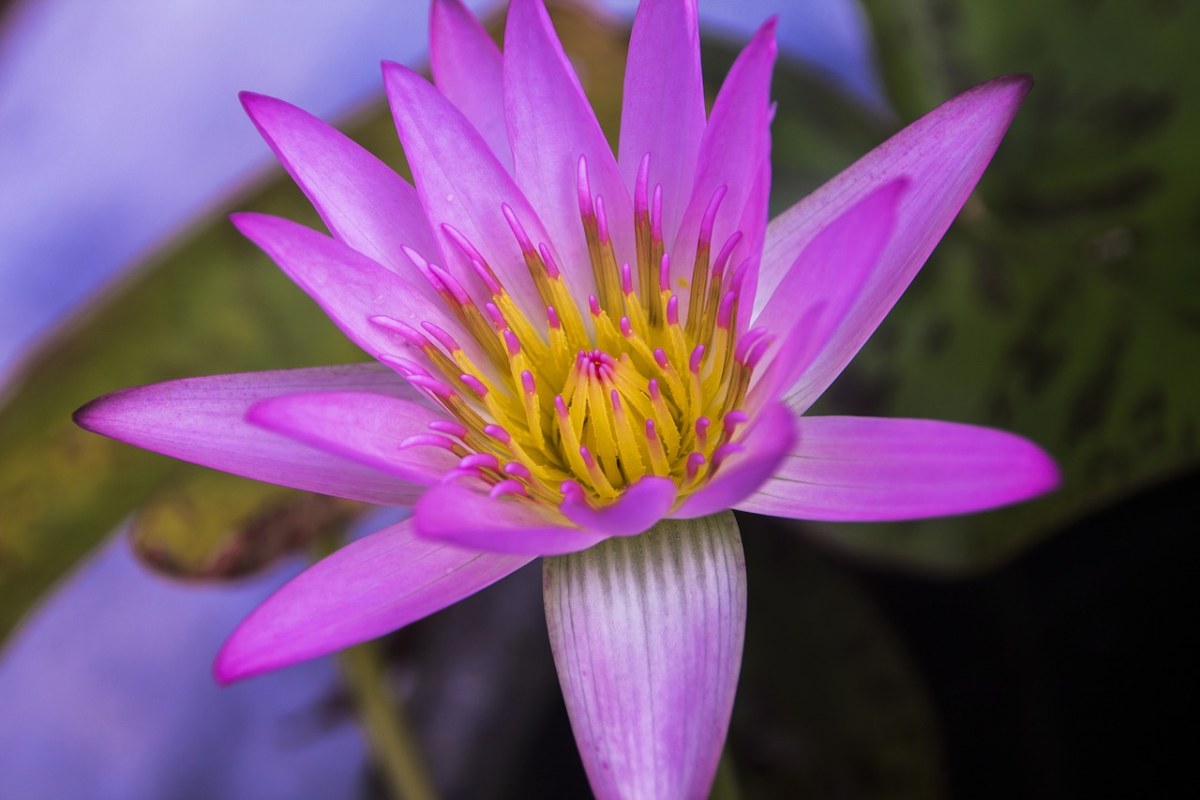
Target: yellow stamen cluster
[{"x": 598, "y": 397}]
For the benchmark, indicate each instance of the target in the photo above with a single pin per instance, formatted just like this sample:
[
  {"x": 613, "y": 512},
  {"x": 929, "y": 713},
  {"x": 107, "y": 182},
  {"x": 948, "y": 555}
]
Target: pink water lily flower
[{"x": 588, "y": 357}]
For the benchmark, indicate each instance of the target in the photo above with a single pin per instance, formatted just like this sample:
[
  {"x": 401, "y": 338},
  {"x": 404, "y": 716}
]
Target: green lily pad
[{"x": 1065, "y": 303}]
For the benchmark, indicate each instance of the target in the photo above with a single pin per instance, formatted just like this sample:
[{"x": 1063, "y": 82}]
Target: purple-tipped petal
[
  {"x": 647, "y": 636},
  {"x": 635, "y": 511},
  {"x": 362, "y": 201},
  {"x": 731, "y": 154},
  {"x": 551, "y": 124},
  {"x": 866, "y": 469},
  {"x": 203, "y": 420},
  {"x": 467, "y": 69},
  {"x": 461, "y": 184},
  {"x": 454, "y": 513},
  {"x": 350, "y": 287},
  {"x": 943, "y": 154},
  {"x": 663, "y": 107},
  {"x": 370, "y": 587},
  {"x": 770, "y": 438},
  {"x": 823, "y": 285},
  {"x": 364, "y": 427}
]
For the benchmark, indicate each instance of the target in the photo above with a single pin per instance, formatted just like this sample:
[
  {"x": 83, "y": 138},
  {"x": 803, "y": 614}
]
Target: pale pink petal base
[
  {"x": 866, "y": 470},
  {"x": 368, "y": 588},
  {"x": 647, "y": 637},
  {"x": 203, "y": 420}
]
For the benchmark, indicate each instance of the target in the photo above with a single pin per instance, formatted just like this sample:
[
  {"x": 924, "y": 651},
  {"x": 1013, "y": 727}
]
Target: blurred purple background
[{"x": 119, "y": 124}]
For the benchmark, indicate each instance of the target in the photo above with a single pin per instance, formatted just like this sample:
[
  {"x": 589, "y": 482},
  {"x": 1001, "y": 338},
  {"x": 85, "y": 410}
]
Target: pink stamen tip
[
  {"x": 551, "y": 265},
  {"x": 512, "y": 343},
  {"x": 444, "y": 339},
  {"x": 759, "y": 350},
  {"x": 431, "y": 384},
  {"x": 723, "y": 257},
  {"x": 401, "y": 328},
  {"x": 601, "y": 220},
  {"x": 572, "y": 491},
  {"x": 651, "y": 433},
  {"x": 452, "y": 286},
  {"x": 403, "y": 365},
  {"x": 479, "y": 461},
  {"x": 415, "y": 257},
  {"x": 673, "y": 310},
  {"x": 449, "y": 427},
  {"x": 702, "y": 424},
  {"x": 508, "y": 486},
  {"x": 664, "y": 273},
  {"x": 725, "y": 310},
  {"x": 463, "y": 243},
  {"x": 626, "y": 327},
  {"x": 485, "y": 275},
  {"x": 518, "y": 230},
  {"x": 528, "y": 383},
  {"x": 585, "y": 188},
  {"x": 739, "y": 275},
  {"x": 696, "y": 359},
  {"x": 694, "y": 462},
  {"x": 458, "y": 473},
  {"x": 552, "y": 318},
  {"x": 498, "y": 433},
  {"x": 586, "y": 455},
  {"x": 725, "y": 451},
  {"x": 660, "y": 357},
  {"x": 427, "y": 440},
  {"x": 560, "y": 406},
  {"x": 733, "y": 419},
  {"x": 593, "y": 305},
  {"x": 710, "y": 214},
  {"x": 626, "y": 280},
  {"x": 518, "y": 469},
  {"x": 474, "y": 384},
  {"x": 652, "y": 387},
  {"x": 746, "y": 342},
  {"x": 641, "y": 186},
  {"x": 615, "y": 398},
  {"x": 496, "y": 315},
  {"x": 656, "y": 214}
]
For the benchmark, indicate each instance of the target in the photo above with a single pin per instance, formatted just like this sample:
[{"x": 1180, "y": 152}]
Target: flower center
[{"x": 596, "y": 400}]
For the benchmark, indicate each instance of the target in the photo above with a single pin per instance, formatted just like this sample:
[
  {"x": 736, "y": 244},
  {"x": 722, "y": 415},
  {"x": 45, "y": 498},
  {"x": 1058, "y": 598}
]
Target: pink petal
[
  {"x": 362, "y": 201},
  {"x": 663, "y": 111},
  {"x": 943, "y": 153},
  {"x": 361, "y": 426},
  {"x": 467, "y": 69},
  {"x": 368, "y": 588},
  {"x": 823, "y": 285},
  {"x": 731, "y": 154},
  {"x": 454, "y": 513},
  {"x": 866, "y": 469},
  {"x": 766, "y": 443},
  {"x": 350, "y": 287},
  {"x": 461, "y": 184},
  {"x": 647, "y": 636},
  {"x": 550, "y": 125},
  {"x": 635, "y": 511},
  {"x": 202, "y": 420}
]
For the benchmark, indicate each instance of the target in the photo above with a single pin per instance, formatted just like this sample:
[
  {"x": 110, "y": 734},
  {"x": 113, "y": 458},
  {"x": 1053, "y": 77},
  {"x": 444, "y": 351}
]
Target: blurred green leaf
[
  {"x": 210, "y": 304},
  {"x": 830, "y": 703},
  {"x": 1065, "y": 303}
]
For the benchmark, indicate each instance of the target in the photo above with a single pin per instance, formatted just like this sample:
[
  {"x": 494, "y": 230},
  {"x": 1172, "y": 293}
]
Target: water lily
[{"x": 589, "y": 357}]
